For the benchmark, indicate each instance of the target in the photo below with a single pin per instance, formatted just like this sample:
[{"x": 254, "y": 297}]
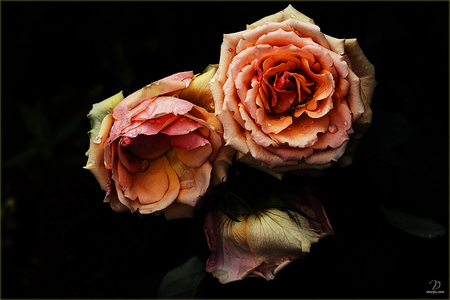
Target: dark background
[{"x": 59, "y": 240}]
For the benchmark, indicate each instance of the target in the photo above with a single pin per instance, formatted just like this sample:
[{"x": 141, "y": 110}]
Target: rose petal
[
  {"x": 169, "y": 197},
  {"x": 188, "y": 141},
  {"x": 230, "y": 258},
  {"x": 175, "y": 82},
  {"x": 182, "y": 126},
  {"x": 127, "y": 158},
  {"x": 95, "y": 162},
  {"x": 149, "y": 186},
  {"x": 196, "y": 157},
  {"x": 147, "y": 146},
  {"x": 303, "y": 132},
  {"x": 274, "y": 237},
  {"x": 339, "y": 127},
  {"x": 194, "y": 182},
  {"x": 149, "y": 127},
  {"x": 327, "y": 156}
]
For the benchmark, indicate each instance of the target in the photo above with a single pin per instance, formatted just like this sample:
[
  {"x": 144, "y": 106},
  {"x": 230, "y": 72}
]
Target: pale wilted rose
[
  {"x": 264, "y": 242},
  {"x": 154, "y": 151},
  {"x": 290, "y": 97}
]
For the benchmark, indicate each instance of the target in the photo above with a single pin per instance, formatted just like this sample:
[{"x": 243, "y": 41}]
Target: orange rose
[
  {"x": 154, "y": 152},
  {"x": 290, "y": 97}
]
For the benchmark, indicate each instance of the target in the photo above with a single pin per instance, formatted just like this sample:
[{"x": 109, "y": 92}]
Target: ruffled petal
[{"x": 303, "y": 132}]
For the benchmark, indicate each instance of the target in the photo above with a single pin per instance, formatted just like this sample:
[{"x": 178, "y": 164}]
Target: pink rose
[
  {"x": 263, "y": 243},
  {"x": 290, "y": 97},
  {"x": 154, "y": 151}
]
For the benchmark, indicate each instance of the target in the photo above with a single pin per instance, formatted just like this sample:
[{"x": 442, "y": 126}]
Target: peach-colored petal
[
  {"x": 326, "y": 156},
  {"x": 233, "y": 134},
  {"x": 263, "y": 155},
  {"x": 95, "y": 162},
  {"x": 130, "y": 161},
  {"x": 194, "y": 182},
  {"x": 290, "y": 153},
  {"x": 170, "y": 195},
  {"x": 149, "y": 186},
  {"x": 339, "y": 127},
  {"x": 303, "y": 132},
  {"x": 281, "y": 38},
  {"x": 230, "y": 257},
  {"x": 353, "y": 97},
  {"x": 221, "y": 164},
  {"x": 196, "y": 157},
  {"x": 115, "y": 203}
]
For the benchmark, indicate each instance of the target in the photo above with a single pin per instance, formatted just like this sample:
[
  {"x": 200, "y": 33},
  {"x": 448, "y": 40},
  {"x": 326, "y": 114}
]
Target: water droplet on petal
[
  {"x": 345, "y": 123},
  {"x": 268, "y": 124},
  {"x": 332, "y": 128}
]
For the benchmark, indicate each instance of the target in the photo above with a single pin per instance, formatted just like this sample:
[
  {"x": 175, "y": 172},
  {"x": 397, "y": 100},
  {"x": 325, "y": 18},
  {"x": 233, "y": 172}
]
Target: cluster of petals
[
  {"x": 287, "y": 94},
  {"x": 154, "y": 151},
  {"x": 263, "y": 243}
]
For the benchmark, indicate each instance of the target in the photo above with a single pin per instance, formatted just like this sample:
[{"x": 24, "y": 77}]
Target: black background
[{"x": 59, "y": 240}]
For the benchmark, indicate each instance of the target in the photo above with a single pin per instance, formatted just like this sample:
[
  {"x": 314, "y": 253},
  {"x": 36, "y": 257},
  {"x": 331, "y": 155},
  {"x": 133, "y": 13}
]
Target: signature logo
[
  {"x": 437, "y": 284},
  {"x": 435, "y": 287}
]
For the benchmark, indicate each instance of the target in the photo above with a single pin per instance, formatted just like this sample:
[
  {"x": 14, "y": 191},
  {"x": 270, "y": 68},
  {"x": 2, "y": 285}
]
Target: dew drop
[
  {"x": 276, "y": 129},
  {"x": 332, "y": 128},
  {"x": 213, "y": 79},
  {"x": 345, "y": 123},
  {"x": 268, "y": 124}
]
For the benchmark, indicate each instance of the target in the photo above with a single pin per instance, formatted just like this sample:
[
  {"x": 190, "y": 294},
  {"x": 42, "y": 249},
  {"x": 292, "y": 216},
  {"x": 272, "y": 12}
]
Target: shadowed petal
[{"x": 230, "y": 258}]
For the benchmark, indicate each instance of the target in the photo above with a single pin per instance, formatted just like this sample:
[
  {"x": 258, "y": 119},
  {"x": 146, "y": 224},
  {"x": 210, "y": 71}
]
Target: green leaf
[
  {"x": 182, "y": 281},
  {"x": 412, "y": 224},
  {"x": 99, "y": 111}
]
